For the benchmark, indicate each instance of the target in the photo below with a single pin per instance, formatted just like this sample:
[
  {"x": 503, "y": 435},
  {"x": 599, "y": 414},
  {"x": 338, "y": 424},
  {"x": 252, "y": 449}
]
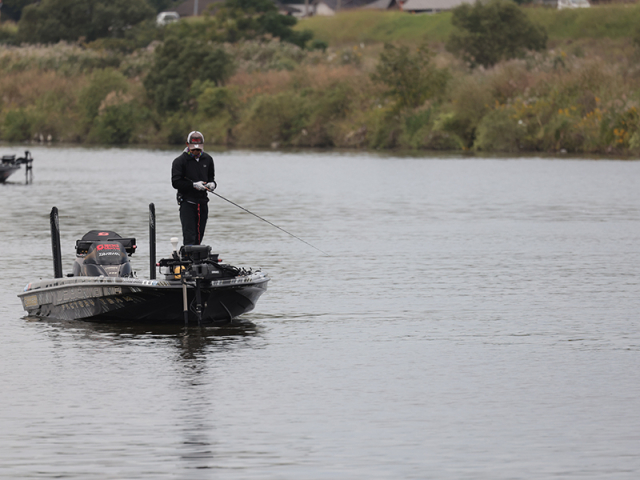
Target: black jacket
[{"x": 186, "y": 170}]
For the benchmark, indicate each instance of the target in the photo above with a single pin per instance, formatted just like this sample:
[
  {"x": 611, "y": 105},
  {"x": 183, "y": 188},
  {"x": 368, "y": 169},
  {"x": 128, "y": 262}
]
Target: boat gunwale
[{"x": 255, "y": 278}]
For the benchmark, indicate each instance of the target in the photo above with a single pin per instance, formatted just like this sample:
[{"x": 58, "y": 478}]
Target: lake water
[{"x": 476, "y": 319}]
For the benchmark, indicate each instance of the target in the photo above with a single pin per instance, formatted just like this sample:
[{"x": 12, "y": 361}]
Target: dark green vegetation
[
  {"x": 246, "y": 76},
  {"x": 485, "y": 34}
]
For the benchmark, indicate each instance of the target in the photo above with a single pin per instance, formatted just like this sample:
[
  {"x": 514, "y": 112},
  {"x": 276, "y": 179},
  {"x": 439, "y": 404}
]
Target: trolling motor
[{"x": 191, "y": 263}]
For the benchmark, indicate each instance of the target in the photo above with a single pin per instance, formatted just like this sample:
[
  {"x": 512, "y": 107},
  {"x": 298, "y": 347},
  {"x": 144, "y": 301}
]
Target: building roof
[
  {"x": 382, "y": 4},
  {"x": 431, "y": 5}
]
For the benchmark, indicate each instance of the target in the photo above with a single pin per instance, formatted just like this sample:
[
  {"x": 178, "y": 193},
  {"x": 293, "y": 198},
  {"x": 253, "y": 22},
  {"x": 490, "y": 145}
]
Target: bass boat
[
  {"x": 10, "y": 164},
  {"x": 102, "y": 287}
]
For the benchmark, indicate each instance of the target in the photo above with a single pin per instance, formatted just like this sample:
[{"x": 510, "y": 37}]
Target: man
[{"x": 192, "y": 174}]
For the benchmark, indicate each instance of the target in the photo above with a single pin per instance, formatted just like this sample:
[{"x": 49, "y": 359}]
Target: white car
[
  {"x": 167, "y": 17},
  {"x": 573, "y": 4}
]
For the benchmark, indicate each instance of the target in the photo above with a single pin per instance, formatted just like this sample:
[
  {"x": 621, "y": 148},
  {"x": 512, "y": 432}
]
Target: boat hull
[
  {"x": 6, "y": 171},
  {"x": 127, "y": 300}
]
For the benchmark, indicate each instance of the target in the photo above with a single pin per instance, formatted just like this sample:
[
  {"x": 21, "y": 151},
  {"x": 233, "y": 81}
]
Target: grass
[
  {"x": 598, "y": 22},
  {"x": 364, "y": 26},
  {"x": 352, "y": 27}
]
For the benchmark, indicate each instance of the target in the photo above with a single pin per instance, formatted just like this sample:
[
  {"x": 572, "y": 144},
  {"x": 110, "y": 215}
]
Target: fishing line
[
  {"x": 263, "y": 219},
  {"x": 267, "y": 221}
]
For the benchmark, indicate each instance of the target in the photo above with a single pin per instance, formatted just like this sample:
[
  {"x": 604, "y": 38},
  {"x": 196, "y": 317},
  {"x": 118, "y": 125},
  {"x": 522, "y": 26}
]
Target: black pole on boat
[
  {"x": 185, "y": 305},
  {"x": 55, "y": 243},
  {"x": 152, "y": 241}
]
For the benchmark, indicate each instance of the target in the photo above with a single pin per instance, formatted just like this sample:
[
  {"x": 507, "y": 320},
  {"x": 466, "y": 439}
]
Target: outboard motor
[{"x": 103, "y": 253}]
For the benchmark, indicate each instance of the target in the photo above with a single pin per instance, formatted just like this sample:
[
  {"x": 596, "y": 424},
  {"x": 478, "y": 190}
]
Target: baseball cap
[{"x": 195, "y": 140}]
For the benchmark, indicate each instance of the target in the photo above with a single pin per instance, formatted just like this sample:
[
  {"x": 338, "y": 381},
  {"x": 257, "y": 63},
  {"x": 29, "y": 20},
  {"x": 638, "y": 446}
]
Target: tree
[
  {"x": 178, "y": 63},
  {"x": 255, "y": 19},
  {"x": 411, "y": 78},
  {"x": 54, "y": 20},
  {"x": 489, "y": 33},
  {"x": 164, "y": 5},
  {"x": 13, "y": 8}
]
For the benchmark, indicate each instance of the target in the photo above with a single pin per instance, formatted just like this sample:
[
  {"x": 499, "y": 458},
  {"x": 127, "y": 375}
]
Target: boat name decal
[
  {"x": 78, "y": 304},
  {"x": 30, "y": 301},
  {"x": 108, "y": 246}
]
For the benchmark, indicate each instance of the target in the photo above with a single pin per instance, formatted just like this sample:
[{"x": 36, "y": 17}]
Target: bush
[
  {"x": 252, "y": 56},
  {"x": 326, "y": 106},
  {"x": 489, "y": 33},
  {"x": 469, "y": 102},
  {"x": 51, "y": 21},
  {"x": 102, "y": 83},
  {"x": 410, "y": 79},
  {"x": 273, "y": 119},
  {"x": 319, "y": 45},
  {"x": 177, "y": 64},
  {"x": 254, "y": 20},
  {"x": 17, "y": 126},
  {"x": 115, "y": 125},
  {"x": 214, "y": 101},
  {"x": 8, "y": 32},
  {"x": 499, "y": 132}
]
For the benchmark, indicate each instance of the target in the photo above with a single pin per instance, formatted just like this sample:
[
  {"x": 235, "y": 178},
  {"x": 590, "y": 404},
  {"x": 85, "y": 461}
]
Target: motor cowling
[
  {"x": 108, "y": 258},
  {"x": 103, "y": 253}
]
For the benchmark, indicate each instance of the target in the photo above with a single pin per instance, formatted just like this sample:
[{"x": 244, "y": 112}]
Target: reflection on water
[
  {"x": 477, "y": 318},
  {"x": 192, "y": 341}
]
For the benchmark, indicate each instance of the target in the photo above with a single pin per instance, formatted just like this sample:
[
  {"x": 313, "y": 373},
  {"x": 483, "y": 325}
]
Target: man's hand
[
  {"x": 211, "y": 186},
  {"x": 199, "y": 185}
]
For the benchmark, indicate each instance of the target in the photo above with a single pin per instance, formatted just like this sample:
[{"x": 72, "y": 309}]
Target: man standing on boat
[{"x": 192, "y": 174}]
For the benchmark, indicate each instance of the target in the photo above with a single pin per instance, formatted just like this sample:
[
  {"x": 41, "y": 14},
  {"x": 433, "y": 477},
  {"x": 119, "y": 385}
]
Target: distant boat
[{"x": 11, "y": 164}]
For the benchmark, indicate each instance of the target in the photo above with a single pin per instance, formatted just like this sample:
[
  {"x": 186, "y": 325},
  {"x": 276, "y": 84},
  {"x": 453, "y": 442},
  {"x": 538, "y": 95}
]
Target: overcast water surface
[{"x": 477, "y": 318}]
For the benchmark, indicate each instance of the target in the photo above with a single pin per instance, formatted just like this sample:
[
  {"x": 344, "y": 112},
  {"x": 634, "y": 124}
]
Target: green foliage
[
  {"x": 498, "y": 132},
  {"x": 410, "y": 79},
  {"x": 489, "y": 33},
  {"x": 51, "y": 21},
  {"x": 134, "y": 38},
  {"x": 17, "y": 126},
  {"x": 8, "y": 32},
  {"x": 214, "y": 101},
  {"x": 178, "y": 63},
  {"x": 469, "y": 103},
  {"x": 115, "y": 124},
  {"x": 384, "y": 128},
  {"x": 274, "y": 119},
  {"x": 13, "y": 8},
  {"x": 318, "y": 45},
  {"x": 102, "y": 83},
  {"x": 254, "y": 19},
  {"x": 326, "y": 108},
  {"x": 164, "y": 5}
]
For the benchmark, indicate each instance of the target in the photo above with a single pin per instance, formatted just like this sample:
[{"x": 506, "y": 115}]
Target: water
[{"x": 477, "y": 319}]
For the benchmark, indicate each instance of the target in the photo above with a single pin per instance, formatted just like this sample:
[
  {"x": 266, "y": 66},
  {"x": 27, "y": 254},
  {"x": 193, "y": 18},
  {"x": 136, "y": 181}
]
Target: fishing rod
[{"x": 264, "y": 220}]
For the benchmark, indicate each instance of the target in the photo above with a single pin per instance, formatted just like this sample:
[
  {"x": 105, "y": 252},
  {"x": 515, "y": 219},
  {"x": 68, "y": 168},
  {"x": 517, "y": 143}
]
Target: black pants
[{"x": 193, "y": 217}]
